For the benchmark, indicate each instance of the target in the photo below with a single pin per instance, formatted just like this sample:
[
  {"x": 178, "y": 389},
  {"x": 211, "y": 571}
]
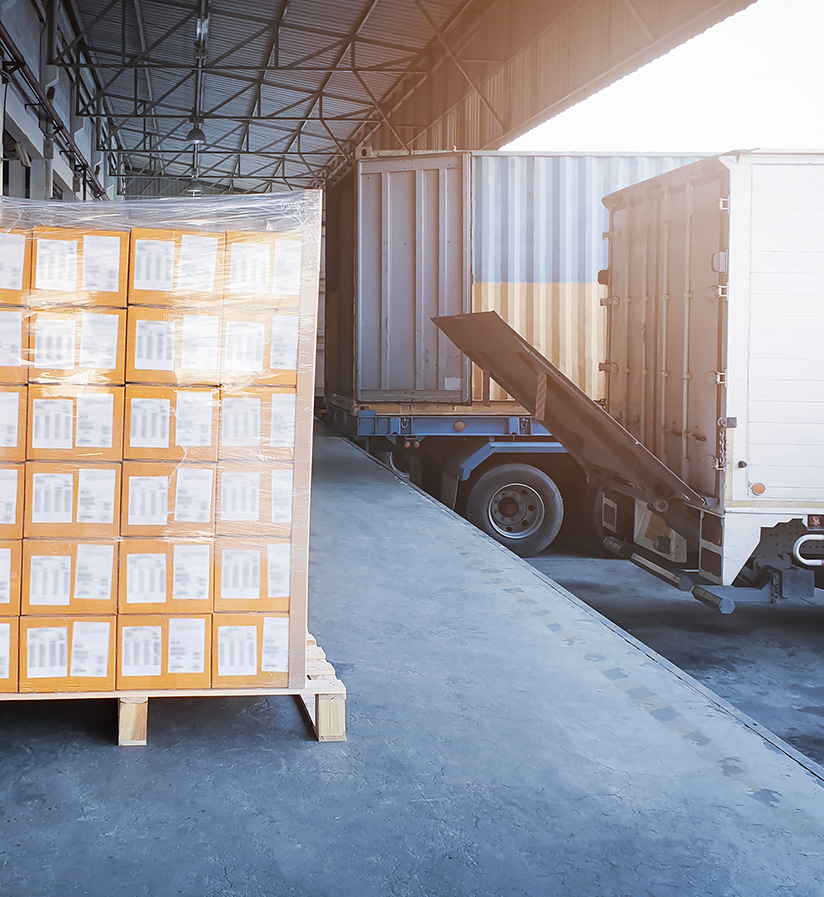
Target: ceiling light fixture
[{"x": 196, "y": 134}]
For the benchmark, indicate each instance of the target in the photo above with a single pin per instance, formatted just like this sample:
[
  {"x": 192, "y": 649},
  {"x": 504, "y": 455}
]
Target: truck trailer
[
  {"x": 709, "y": 449},
  {"x": 414, "y": 236}
]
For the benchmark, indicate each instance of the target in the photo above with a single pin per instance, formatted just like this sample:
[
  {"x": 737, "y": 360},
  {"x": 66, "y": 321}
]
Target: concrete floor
[{"x": 504, "y": 739}]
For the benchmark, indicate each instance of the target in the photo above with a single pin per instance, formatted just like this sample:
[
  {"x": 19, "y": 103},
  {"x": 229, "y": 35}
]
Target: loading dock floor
[{"x": 504, "y": 739}]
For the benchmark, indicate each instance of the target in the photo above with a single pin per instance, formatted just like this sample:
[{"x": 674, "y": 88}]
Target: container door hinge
[
  {"x": 609, "y": 366},
  {"x": 729, "y": 423},
  {"x": 724, "y": 204},
  {"x": 721, "y": 291},
  {"x": 720, "y": 378},
  {"x": 610, "y": 300},
  {"x": 611, "y": 234}
]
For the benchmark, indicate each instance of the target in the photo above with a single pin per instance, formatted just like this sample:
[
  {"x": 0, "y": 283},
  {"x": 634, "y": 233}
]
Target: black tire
[
  {"x": 395, "y": 461},
  {"x": 518, "y": 505}
]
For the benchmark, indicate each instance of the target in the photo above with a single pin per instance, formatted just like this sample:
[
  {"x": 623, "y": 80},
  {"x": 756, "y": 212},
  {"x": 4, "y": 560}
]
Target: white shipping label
[
  {"x": 154, "y": 265},
  {"x": 283, "y": 355},
  {"x": 244, "y": 346},
  {"x": 50, "y": 580},
  {"x": 192, "y": 572},
  {"x": 8, "y": 495},
  {"x": 282, "y": 431},
  {"x": 278, "y": 562},
  {"x": 141, "y": 650},
  {"x": 282, "y": 493},
  {"x": 240, "y": 421},
  {"x": 11, "y": 338},
  {"x": 93, "y": 572},
  {"x": 95, "y": 420},
  {"x": 56, "y": 267},
  {"x": 193, "y": 418},
  {"x": 54, "y": 343},
  {"x": 198, "y": 260},
  {"x": 12, "y": 261},
  {"x": 53, "y": 498},
  {"x": 5, "y": 650},
  {"x": 249, "y": 268},
  {"x": 240, "y": 574},
  {"x": 240, "y": 496},
  {"x": 148, "y": 501},
  {"x": 275, "y": 645},
  {"x": 47, "y": 654},
  {"x": 5, "y": 575},
  {"x": 101, "y": 263},
  {"x": 52, "y": 423},
  {"x": 9, "y": 417},
  {"x": 287, "y": 273},
  {"x": 145, "y": 578},
  {"x": 149, "y": 423},
  {"x": 193, "y": 494},
  {"x": 237, "y": 651},
  {"x": 90, "y": 649},
  {"x": 187, "y": 645},
  {"x": 154, "y": 346},
  {"x": 96, "y": 495},
  {"x": 98, "y": 341},
  {"x": 199, "y": 342}
]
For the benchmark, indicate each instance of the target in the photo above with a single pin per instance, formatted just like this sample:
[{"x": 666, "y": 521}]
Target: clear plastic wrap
[{"x": 156, "y": 400}]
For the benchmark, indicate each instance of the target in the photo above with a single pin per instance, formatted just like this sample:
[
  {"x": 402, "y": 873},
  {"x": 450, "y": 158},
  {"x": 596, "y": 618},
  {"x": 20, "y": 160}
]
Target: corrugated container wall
[{"x": 415, "y": 236}]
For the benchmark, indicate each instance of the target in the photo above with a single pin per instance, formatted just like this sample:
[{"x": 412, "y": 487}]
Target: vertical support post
[
  {"x": 132, "y": 721},
  {"x": 330, "y": 717}
]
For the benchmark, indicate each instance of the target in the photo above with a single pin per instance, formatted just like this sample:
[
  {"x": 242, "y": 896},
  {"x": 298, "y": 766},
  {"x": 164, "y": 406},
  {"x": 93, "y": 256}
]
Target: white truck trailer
[{"x": 710, "y": 447}]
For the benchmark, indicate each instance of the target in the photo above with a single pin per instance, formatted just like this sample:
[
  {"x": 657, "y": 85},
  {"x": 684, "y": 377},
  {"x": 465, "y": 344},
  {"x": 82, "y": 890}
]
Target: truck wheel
[{"x": 518, "y": 505}]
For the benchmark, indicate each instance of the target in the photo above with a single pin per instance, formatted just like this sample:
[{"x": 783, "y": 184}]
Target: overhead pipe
[{"x": 59, "y": 130}]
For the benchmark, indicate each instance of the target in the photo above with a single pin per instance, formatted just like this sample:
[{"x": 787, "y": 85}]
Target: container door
[{"x": 413, "y": 260}]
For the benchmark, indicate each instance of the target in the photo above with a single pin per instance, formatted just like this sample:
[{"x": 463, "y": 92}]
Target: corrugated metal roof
[{"x": 277, "y": 76}]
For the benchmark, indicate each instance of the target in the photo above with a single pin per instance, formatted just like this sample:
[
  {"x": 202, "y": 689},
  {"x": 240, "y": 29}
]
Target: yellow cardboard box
[
  {"x": 170, "y": 423},
  {"x": 69, "y": 577},
  {"x": 250, "y": 650},
  {"x": 164, "y": 651},
  {"x": 166, "y": 576},
  {"x": 82, "y": 423},
  {"x": 252, "y": 575},
  {"x": 260, "y": 345},
  {"x": 11, "y": 553},
  {"x": 254, "y": 499},
  {"x": 12, "y": 490},
  {"x": 83, "y": 346},
  {"x": 166, "y": 499},
  {"x": 15, "y": 267},
  {"x": 264, "y": 266},
  {"x": 79, "y": 266},
  {"x": 72, "y": 500},
  {"x": 14, "y": 345},
  {"x": 257, "y": 423},
  {"x": 13, "y": 406},
  {"x": 67, "y": 653},
  {"x": 9, "y": 654}
]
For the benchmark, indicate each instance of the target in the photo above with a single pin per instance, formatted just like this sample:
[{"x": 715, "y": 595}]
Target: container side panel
[{"x": 339, "y": 355}]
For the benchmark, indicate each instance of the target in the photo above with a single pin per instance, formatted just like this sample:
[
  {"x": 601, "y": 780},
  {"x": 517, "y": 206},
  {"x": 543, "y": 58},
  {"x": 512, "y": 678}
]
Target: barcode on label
[
  {"x": 47, "y": 652},
  {"x": 281, "y": 495},
  {"x": 54, "y": 343},
  {"x": 154, "y": 265},
  {"x": 56, "y": 267},
  {"x": 101, "y": 263},
  {"x": 282, "y": 433},
  {"x": 187, "y": 645},
  {"x": 141, "y": 650},
  {"x": 93, "y": 572},
  {"x": 193, "y": 494},
  {"x": 96, "y": 495},
  {"x": 149, "y": 423},
  {"x": 237, "y": 651},
  {"x": 154, "y": 345},
  {"x": 98, "y": 341},
  {"x": 193, "y": 418},
  {"x": 148, "y": 501},
  {"x": 284, "y": 352},
  {"x": 11, "y": 338},
  {"x": 8, "y": 495},
  {"x": 145, "y": 578},
  {"x": 50, "y": 580},
  {"x": 90, "y": 649},
  {"x": 249, "y": 267},
  {"x": 9, "y": 417},
  {"x": 275, "y": 645},
  {"x": 52, "y": 423},
  {"x": 95, "y": 420},
  {"x": 278, "y": 561},
  {"x": 192, "y": 572},
  {"x": 5, "y": 575},
  {"x": 5, "y": 651},
  {"x": 12, "y": 261},
  {"x": 240, "y": 496},
  {"x": 53, "y": 498},
  {"x": 240, "y": 421},
  {"x": 240, "y": 574},
  {"x": 244, "y": 346}
]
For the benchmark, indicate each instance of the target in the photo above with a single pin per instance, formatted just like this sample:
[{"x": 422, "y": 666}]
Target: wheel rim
[{"x": 516, "y": 511}]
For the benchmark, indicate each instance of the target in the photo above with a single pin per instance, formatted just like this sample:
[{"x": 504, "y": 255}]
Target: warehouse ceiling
[{"x": 287, "y": 92}]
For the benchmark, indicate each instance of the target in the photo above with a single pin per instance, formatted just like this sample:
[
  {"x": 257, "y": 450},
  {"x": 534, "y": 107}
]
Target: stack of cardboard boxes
[{"x": 153, "y": 517}]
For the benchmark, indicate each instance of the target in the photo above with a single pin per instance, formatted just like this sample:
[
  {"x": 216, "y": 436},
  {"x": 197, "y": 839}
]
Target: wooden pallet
[{"x": 322, "y": 700}]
